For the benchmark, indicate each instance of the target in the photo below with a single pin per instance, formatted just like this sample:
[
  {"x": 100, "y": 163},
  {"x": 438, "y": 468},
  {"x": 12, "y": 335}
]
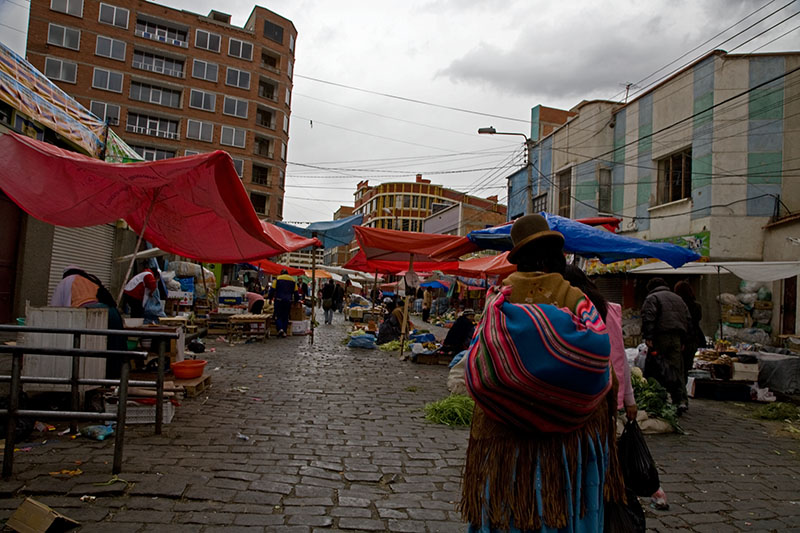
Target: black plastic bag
[
  {"x": 638, "y": 468},
  {"x": 624, "y": 518}
]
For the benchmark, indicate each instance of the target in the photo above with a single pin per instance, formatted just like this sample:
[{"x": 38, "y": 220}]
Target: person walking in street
[
  {"x": 327, "y": 301},
  {"x": 338, "y": 297},
  {"x": 138, "y": 290},
  {"x": 542, "y": 448},
  {"x": 282, "y": 292},
  {"x": 695, "y": 338},
  {"x": 665, "y": 325},
  {"x": 427, "y": 303}
]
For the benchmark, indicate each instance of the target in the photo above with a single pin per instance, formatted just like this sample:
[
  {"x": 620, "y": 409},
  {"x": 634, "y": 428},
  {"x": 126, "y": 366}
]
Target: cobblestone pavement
[{"x": 337, "y": 441}]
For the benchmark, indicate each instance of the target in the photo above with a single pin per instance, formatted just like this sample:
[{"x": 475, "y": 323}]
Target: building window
[
  {"x": 260, "y": 176},
  {"x": 108, "y": 113},
  {"x": 285, "y": 123},
  {"x": 159, "y": 32},
  {"x": 207, "y": 40},
  {"x": 70, "y": 7},
  {"x": 260, "y": 203},
  {"x": 144, "y": 92},
  {"x": 204, "y": 70},
  {"x": 288, "y": 97},
  {"x": 270, "y": 61},
  {"x": 281, "y": 179},
  {"x": 154, "y": 126},
  {"x": 280, "y": 207},
  {"x": 265, "y": 118},
  {"x": 289, "y": 67},
  {"x": 58, "y": 69},
  {"x": 202, "y": 100},
  {"x": 153, "y": 154},
  {"x": 283, "y": 151},
  {"x": 263, "y": 147},
  {"x": 107, "y": 80},
  {"x": 675, "y": 177},
  {"x": 156, "y": 63},
  {"x": 64, "y": 37},
  {"x": 233, "y": 136},
  {"x": 291, "y": 43},
  {"x": 116, "y": 16},
  {"x": 564, "y": 180},
  {"x": 235, "y": 107},
  {"x": 540, "y": 203},
  {"x": 273, "y": 32},
  {"x": 202, "y": 131},
  {"x": 268, "y": 90},
  {"x": 240, "y": 49},
  {"x": 604, "y": 190},
  {"x": 237, "y": 78},
  {"x": 107, "y": 47},
  {"x": 191, "y": 152},
  {"x": 238, "y": 164}
]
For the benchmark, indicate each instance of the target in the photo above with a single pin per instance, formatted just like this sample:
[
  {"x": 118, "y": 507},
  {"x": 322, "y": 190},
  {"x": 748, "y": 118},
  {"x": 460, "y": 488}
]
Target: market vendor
[
  {"x": 460, "y": 334},
  {"x": 390, "y": 329},
  {"x": 138, "y": 289},
  {"x": 283, "y": 291},
  {"x": 255, "y": 303}
]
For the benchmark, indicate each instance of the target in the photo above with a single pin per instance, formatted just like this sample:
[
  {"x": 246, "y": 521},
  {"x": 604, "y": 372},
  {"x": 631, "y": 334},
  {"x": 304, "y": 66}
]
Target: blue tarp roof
[
  {"x": 589, "y": 241},
  {"x": 332, "y": 233}
]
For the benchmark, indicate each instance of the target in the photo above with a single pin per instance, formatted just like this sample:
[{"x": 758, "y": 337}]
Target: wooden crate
[
  {"x": 433, "y": 359},
  {"x": 193, "y": 387},
  {"x": 61, "y": 367}
]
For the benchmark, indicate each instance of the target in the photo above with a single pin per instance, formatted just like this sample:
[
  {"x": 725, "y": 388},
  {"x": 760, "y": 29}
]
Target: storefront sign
[{"x": 696, "y": 242}]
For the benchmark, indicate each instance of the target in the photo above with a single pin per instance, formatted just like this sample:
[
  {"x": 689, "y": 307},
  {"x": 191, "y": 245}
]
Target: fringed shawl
[{"x": 526, "y": 478}]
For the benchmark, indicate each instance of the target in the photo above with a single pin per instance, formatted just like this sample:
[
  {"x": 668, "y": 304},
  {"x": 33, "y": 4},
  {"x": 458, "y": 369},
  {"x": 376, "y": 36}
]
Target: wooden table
[{"x": 249, "y": 325}]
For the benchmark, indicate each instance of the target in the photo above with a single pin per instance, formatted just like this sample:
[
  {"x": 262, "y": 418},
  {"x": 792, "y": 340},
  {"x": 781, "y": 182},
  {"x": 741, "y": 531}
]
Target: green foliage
[
  {"x": 777, "y": 411},
  {"x": 393, "y": 346},
  {"x": 654, "y": 400},
  {"x": 455, "y": 410}
]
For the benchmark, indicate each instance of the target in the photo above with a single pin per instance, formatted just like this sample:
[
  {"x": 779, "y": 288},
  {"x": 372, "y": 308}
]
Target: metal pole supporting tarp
[
  {"x": 404, "y": 326},
  {"x": 313, "y": 285},
  {"x": 136, "y": 250}
]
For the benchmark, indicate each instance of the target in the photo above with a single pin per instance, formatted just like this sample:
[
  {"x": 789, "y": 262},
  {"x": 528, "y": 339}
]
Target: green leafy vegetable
[
  {"x": 455, "y": 410},
  {"x": 654, "y": 400},
  {"x": 777, "y": 411}
]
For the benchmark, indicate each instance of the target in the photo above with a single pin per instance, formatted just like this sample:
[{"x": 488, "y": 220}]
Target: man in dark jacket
[
  {"x": 283, "y": 291},
  {"x": 665, "y": 324}
]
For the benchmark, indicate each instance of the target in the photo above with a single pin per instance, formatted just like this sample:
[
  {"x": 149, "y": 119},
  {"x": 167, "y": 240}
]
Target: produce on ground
[
  {"x": 652, "y": 398},
  {"x": 455, "y": 410},
  {"x": 392, "y": 346},
  {"x": 777, "y": 411}
]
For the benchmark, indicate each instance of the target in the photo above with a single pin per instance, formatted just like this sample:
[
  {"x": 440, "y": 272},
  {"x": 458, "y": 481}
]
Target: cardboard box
[
  {"x": 745, "y": 372},
  {"x": 299, "y": 327},
  {"x": 183, "y": 297},
  {"x": 297, "y": 312},
  {"x": 35, "y": 517}
]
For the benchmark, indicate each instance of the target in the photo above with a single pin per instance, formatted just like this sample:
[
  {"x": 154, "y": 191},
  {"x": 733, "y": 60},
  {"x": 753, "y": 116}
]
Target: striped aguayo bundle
[{"x": 538, "y": 367}]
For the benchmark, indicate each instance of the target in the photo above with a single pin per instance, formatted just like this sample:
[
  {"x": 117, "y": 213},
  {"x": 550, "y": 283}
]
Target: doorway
[
  {"x": 10, "y": 218},
  {"x": 789, "y": 307}
]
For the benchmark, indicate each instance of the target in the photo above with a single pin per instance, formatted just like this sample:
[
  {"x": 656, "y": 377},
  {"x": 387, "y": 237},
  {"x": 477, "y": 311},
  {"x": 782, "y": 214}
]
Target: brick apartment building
[{"x": 176, "y": 83}]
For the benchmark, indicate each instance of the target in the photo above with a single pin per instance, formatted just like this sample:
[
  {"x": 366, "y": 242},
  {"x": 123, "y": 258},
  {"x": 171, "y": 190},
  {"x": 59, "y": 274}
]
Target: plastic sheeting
[
  {"x": 392, "y": 245},
  {"x": 581, "y": 239},
  {"x": 274, "y": 269},
  {"x": 194, "y": 206},
  {"x": 332, "y": 234},
  {"x": 362, "y": 264},
  {"x": 33, "y": 94}
]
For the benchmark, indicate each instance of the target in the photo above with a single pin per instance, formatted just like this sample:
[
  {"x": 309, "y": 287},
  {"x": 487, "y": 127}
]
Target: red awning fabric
[
  {"x": 197, "y": 205},
  {"x": 391, "y": 245},
  {"x": 274, "y": 269},
  {"x": 360, "y": 263},
  {"x": 490, "y": 265}
]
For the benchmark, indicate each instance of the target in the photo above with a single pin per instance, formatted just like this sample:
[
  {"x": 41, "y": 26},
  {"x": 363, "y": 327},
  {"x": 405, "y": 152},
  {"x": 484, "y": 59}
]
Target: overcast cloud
[{"x": 487, "y": 56}]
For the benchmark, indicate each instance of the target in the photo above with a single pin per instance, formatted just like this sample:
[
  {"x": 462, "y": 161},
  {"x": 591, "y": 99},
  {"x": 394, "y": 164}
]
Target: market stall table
[{"x": 249, "y": 325}]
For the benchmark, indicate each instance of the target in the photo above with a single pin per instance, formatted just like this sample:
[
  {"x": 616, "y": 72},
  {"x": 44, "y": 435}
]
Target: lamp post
[
  {"x": 528, "y": 149},
  {"x": 392, "y": 213}
]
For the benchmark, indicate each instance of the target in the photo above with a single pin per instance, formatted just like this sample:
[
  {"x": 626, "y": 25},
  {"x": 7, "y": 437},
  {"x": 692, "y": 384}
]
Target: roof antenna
[{"x": 628, "y": 87}]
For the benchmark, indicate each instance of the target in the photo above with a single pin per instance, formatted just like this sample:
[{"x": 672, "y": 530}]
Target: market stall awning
[
  {"x": 436, "y": 284},
  {"x": 274, "y": 269},
  {"x": 362, "y": 264},
  {"x": 746, "y": 270},
  {"x": 490, "y": 265},
  {"x": 320, "y": 274},
  {"x": 579, "y": 238},
  {"x": 332, "y": 233},
  {"x": 392, "y": 245},
  {"x": 192, "y": 206}
]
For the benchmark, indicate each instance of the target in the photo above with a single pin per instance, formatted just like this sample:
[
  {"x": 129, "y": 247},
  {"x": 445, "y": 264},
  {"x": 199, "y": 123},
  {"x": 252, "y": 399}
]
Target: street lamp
[
  {"x": 528, "y": 149},
  {"x": 392, "y": 213}
]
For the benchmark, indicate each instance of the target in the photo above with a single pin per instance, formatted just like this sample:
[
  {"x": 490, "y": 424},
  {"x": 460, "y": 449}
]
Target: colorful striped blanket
[{"x": 539, "y": 367}]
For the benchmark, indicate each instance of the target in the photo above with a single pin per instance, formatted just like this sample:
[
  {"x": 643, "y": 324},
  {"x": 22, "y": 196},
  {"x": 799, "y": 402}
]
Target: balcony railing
[
  {"x": 152, "y": 68},
  {"x": 152, "y": 132},
  {"x": 161, "y": 38},
  {"x": 270, "y": 68}
]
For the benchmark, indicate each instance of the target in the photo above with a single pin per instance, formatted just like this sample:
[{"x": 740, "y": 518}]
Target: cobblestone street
[{"x": 337, "y": 440}]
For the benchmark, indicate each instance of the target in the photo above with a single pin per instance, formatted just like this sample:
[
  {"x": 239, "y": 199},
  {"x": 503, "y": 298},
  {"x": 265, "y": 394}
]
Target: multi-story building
[
  {"x": 176, "y": 83},
  {"x": 302, "y": 258},
  {"x": 405, "y": 205},
  {"x": 339, "y": 255},
  {"x": 460, "y": 219},
  {"x": 703, "y": 158}
]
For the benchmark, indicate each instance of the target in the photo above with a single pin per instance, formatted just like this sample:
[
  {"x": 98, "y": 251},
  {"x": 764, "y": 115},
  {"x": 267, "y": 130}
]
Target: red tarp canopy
[
  {"x": 490, "y": 265},
  {"x": 274, "y": 269},
  {"x": 360, "y": 263},
  {"x": 198, "y": 206},
  {"x": 391, "y": 245}
]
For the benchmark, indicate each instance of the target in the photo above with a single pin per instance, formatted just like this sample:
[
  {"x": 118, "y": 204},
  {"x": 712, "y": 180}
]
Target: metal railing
[{"x": 17, "y": 380}]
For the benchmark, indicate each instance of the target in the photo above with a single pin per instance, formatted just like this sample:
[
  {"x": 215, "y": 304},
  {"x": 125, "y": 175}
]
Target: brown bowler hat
[{"x": 529, "y": 229}]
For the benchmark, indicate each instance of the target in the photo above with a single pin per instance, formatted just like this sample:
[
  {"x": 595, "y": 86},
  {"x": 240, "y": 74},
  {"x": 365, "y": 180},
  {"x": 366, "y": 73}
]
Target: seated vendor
[
  {"x": 390, "y": 329},
  {"x": 255, "y": 303},
  {"x": 460, "y": 335}
]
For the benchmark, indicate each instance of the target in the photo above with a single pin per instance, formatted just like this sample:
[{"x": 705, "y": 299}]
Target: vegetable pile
[
  {"x": 455, "y": 410},
  {"x": 393, "y": 346},
  {"x": 777, "y": 411},
  {"x": 653, "y": 399}
]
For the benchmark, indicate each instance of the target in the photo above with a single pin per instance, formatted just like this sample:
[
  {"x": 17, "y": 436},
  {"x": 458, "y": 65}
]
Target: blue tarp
[
  {"x": 434, "y": 285},
  {"x": 589, "y": 241},
  {"x": 332, "y": 233}
]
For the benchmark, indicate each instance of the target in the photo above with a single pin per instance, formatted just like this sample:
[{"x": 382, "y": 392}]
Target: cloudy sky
[{"x": 386, "y": 90}]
